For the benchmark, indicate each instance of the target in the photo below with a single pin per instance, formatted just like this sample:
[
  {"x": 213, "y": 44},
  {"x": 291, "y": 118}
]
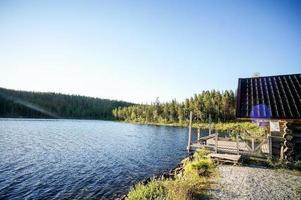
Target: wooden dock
[{"x": 230, "y": 144}]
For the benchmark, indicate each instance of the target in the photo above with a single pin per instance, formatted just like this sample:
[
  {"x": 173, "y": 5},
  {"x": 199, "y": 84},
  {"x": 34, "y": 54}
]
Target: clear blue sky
[{"x": 139, "y": 50}]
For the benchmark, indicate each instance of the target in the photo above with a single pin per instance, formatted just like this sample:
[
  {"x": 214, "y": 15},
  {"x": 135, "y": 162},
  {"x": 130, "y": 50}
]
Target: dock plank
[{"x": 226, "y": 158}]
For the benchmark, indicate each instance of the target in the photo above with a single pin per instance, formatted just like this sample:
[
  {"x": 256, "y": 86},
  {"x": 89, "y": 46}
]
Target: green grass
[
  {"x": 297, "y": 165},
  {"x": 197, "y": 178},
  {"x": 153, "y": 190},
  {"x": 199, "y": 167},
  {"x": 201, "y": 154}
]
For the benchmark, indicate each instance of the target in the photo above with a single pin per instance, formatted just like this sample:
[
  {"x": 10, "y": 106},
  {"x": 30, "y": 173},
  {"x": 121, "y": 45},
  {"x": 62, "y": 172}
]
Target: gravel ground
[{"x": 240, "y": 182}]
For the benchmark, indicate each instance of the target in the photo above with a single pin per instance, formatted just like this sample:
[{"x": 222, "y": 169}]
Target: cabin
[{"x": 274, "y": 102}]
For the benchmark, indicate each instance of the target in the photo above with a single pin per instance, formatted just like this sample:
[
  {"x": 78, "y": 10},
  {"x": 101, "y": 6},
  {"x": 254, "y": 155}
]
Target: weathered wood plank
[
  {"x": 208, "y": 137},
  {"x": 225, "y": 158}
]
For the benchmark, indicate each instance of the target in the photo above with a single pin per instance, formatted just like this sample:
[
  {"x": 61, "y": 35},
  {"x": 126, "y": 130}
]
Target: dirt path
[{"x": 256, "y": 183}]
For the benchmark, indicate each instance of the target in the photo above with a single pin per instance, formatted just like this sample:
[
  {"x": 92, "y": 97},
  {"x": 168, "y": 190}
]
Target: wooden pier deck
[{"x": 231, "y": 144}]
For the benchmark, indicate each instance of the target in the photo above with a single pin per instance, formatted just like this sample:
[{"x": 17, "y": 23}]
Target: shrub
[
  {"x": 201, "y": 167},
  {"x": 153, "y": 190},
  {"x": 249, "y": 129},
  {"x": 297, "y": 165},
  {"x": 201, "y": 154}
]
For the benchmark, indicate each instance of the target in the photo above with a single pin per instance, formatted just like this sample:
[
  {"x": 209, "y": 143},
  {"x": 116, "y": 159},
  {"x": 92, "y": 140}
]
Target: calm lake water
[{"x": 82, "y": 159}]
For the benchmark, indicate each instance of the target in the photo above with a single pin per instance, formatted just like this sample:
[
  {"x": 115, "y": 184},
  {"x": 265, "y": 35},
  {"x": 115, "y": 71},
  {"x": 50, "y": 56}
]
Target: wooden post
[
  {"x": 253, "y": 146},
  {"x": 199, "y": 134},
  {"x": 237, "y": 144},
  {"x": 189, "y": 132},
  {"x": 216, "y": 142},
  {"x": 270, "y": 144},
  {"x": 210, "y": 127}
]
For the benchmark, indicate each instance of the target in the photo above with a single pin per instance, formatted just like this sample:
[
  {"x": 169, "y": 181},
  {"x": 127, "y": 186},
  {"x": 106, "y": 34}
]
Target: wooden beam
[
  {"x": 216, "y": 142},
  {"x": 237, "y": 144},
  {"x": 189, "y": 132},
  {"x": 210, "y": 125},
  {"x": 270, "y": 144}
]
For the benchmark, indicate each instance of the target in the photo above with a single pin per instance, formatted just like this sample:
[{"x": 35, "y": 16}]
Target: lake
[{"x": 82, "y": 159}]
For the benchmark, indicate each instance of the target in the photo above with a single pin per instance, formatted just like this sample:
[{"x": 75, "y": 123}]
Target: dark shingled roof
[{"x": 270, "y": 97}]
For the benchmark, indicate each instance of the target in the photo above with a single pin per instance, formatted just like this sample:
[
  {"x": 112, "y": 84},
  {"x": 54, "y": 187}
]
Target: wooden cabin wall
[
  {"x": 289, "y": 139},
  {"x": 292, "y": 141},
  {"x": 277, "y": 140}
]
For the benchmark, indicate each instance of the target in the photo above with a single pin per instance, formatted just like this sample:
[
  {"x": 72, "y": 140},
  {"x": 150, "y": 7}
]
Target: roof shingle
[{"x": 272, "y": 97}]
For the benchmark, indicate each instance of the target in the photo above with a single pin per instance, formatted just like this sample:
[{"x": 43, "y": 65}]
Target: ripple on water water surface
[{"x": 82, "y": 159}]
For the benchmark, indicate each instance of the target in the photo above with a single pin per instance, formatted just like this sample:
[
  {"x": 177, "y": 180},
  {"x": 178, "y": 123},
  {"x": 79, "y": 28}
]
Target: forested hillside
[
  {"x": 53, "y": 105},
  {"x": 220, "y": 105}
]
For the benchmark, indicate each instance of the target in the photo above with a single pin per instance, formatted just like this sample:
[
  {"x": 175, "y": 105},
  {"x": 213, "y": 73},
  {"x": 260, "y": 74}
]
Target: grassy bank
[
  {"x": 192, "y": 183},
  {"x": 232, "y": 127}
]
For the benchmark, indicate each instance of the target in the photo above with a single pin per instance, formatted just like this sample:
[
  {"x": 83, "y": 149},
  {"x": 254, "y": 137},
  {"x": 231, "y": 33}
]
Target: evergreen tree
[{"x": 220, "y": 105}]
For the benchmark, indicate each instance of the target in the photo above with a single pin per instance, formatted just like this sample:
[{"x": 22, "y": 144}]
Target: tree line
[
  {"x": 53, "y": 105},
  {"x": 219, "y": 105}
]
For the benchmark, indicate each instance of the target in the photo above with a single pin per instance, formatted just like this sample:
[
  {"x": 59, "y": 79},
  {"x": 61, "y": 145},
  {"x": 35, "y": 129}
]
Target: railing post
[
  {"x": 189, "y": 132},
  {"x": 210, "y": 125},
  {"x": 216, "y": 142},
  {"x": 199, "y": 134},
  {"x": 237, "y": 144},
  {"x": 270, "y": 144},
  {"x": 253, "y": 146}
]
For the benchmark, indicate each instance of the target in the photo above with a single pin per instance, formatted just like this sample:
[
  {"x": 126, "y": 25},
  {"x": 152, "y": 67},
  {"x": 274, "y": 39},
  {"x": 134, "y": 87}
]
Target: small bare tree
[{"x": 256, "y": 74}]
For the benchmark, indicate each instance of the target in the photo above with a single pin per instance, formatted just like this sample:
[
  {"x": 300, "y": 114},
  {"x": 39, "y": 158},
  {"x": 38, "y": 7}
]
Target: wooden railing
[{"x": 235, "y": 145}]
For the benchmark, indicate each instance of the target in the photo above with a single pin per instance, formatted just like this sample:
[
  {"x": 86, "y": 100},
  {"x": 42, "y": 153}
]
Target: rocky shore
[{"x": 171, "y": 174}]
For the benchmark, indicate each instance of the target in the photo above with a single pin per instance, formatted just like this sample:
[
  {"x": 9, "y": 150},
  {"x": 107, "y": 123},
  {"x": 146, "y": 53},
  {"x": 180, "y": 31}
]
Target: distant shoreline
[{"x": 236, "y": 126}]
